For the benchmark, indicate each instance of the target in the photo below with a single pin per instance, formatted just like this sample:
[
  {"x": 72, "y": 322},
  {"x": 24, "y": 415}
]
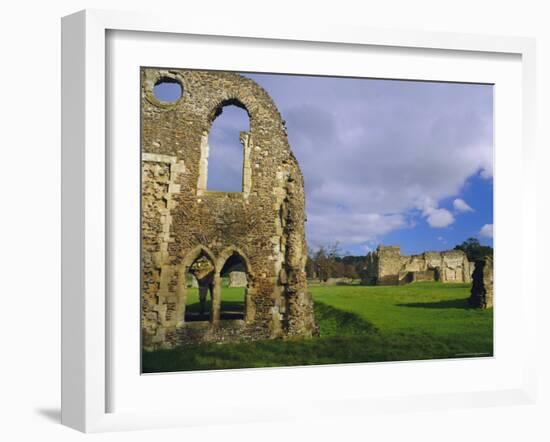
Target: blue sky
[{"x": 384, "y": 161}]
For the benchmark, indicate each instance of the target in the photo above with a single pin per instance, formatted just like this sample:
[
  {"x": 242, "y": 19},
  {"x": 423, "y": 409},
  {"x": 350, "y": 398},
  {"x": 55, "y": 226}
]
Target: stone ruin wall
[
  {"x": 182, "y": 221},
  {"x": 386, "y": 266},
  {"x": 237, "y": 279},
  {"x": 481, "y": 295}
]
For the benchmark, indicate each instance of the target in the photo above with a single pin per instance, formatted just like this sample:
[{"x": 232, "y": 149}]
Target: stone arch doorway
[
  {"x": 234, "y": 291},
  {"x": 197, "y": 302}
]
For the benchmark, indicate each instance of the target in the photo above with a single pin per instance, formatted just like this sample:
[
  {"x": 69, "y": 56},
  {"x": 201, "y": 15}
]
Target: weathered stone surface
[
  {"x": 386, "y": 266},
  {"x": 237, "y": 279},
  {"x": 184, "y": 224},
  {"x": 482, "y": 284}
]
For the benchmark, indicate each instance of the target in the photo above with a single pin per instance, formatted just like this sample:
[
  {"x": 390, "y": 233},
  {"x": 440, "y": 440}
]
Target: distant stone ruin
[
  {"x": 386, "y": 266},
  {"x": 237, "y": 279},
  {"x": 482, "y": 284},
  {"x": 192, "y": 282},
  {"x": 188, "y": 229}
]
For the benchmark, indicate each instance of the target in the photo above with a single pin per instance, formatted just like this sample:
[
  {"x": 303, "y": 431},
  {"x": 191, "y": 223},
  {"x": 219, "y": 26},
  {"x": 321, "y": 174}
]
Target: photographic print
[{"x": 291, "y": 220}]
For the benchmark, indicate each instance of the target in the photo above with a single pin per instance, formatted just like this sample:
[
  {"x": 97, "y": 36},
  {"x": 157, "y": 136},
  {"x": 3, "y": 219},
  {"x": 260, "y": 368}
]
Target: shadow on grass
[
  {"x": 449, "y": 303},
  {"x": 196, "y": 306},
  {"x": 335, "y": 322},
  {"x": 345, "y": 338},
  {"x": 229, "y": 310},
  {"x": 233, "y": 306}
]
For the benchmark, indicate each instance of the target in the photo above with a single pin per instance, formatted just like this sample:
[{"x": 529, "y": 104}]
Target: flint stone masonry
[
  {"x": 482, "y": 284},
  {"x": 386, "y": 266},
  {"x": 183, "y": 223}
]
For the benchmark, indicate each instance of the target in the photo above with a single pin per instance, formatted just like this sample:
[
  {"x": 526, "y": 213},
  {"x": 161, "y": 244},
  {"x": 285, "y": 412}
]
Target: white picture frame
[{"x": 86, "y": 316}]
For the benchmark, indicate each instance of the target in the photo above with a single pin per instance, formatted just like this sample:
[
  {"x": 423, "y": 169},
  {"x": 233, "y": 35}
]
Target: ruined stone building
[
  {"x": 482, "y": 284},
  {"x": 188, "y": 229},
  {"x": 386, "y": 266},
  {"x": 237, "y": 279}
]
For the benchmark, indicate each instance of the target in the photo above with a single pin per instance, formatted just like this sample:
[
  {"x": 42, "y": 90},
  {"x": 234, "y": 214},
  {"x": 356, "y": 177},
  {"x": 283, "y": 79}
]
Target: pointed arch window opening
[
  {"x": 234, "y": 289},
  {"x": 199, "y": 280},
  {"x": 225, "y": 152}
]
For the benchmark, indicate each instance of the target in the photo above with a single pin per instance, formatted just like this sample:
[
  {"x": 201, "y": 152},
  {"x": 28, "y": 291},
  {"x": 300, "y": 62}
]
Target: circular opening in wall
[{"x": 168, "y": 90}]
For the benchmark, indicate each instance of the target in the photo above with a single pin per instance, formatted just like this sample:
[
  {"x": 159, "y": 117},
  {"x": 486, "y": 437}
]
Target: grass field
[{"x": 358, "y": 324}]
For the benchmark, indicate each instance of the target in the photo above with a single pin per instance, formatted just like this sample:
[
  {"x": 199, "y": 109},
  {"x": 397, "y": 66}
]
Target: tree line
[
  {"x": 474, "y": 250},
  {"x": 329, "y": 261}
]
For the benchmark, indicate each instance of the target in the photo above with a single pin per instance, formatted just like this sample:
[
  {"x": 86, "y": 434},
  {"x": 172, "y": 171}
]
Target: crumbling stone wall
[
  {"x": 386, "y": 266},
  {"x": 237, "y": 279},
  {"x": 389, "y": 265},
  {"x": 482, "y": 284},
  {"x": 183, "y": 222}
]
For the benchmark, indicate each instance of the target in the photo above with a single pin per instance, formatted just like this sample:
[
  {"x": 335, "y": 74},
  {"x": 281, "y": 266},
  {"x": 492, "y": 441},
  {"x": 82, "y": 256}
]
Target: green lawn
[{"x": 358, "y": 324}]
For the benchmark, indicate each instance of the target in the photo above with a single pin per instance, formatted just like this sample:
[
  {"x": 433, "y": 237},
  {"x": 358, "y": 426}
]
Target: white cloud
[
  {"x": 435, "y": 216},
  {"x": 389, "y": 148},
  {"x": 440, "y": 218},
  {"x": 350, "y": 229},
  {"x": 462, "y": 206},
  {"x": 486, "y": 231}
]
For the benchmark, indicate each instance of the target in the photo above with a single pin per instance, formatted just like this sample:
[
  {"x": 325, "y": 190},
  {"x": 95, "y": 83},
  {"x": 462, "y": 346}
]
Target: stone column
[
  {"x": 181, "y": 296},
  {"x": 482, "y": 284},
  {"x": 204, "y": 288},
  {"x": 216, "y": 299}
]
